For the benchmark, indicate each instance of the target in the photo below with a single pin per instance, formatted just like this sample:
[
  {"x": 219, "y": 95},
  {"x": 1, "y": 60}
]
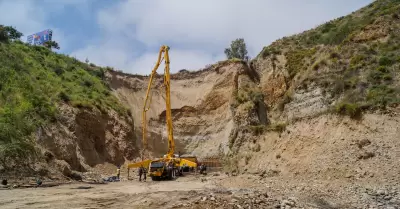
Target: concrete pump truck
[{"x": 170, "y": 164}]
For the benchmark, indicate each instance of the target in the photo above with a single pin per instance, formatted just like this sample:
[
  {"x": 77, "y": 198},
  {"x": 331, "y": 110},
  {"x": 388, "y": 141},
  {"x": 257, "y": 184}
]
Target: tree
[
  {"x": 9, "y": 33},
  {"x": 13, "y": 33},
  {"x": 3, "y": 34},
  {"x": 237, "y": 50},
  {"x": 51, "y": 44}
]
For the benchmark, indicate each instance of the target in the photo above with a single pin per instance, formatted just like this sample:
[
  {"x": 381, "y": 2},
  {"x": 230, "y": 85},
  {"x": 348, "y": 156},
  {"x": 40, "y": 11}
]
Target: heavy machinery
[{"x": 168, "y": 166}]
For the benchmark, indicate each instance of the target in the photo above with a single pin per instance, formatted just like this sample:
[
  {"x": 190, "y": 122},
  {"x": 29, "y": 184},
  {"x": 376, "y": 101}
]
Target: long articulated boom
[
  {"x": 146, "y": 107},
  {"x": 171, "y": 142},
  {"x": 169, "y": 157}
]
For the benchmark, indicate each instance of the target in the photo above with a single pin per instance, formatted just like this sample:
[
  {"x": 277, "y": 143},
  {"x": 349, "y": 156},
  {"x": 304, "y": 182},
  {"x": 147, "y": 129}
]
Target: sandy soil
[
  {"x": 124, "y": 194},
  {"x": 216, "y": 190}
]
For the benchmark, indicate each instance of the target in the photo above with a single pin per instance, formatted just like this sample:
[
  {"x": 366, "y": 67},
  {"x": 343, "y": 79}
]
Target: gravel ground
[{"x": 216, "y": 190}]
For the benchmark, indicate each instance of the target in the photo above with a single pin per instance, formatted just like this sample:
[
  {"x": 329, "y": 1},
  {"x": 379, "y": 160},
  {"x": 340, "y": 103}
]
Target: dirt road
[
  {"x": 125, "y": 194},
  {"x": 211, "y": 191}
]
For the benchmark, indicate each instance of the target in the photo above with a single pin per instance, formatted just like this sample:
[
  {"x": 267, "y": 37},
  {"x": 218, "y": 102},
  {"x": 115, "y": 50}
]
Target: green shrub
[
  {"x": 382, "y": 95},
  {"x": 257, "y": 130},
  {"x": 278, "y": 127},
  {"x": 350, "y": 109},
  {"x": 382, "y": 69},
  {"x": 379, "y": 75},
  {"x": 357, "y": 60},
  {"x": 64, "y": 97},
  {"x": 385, "y": 61},
  {"x": 59, "y": 71},
  {"x": 248, "y": 94},
  {"x": 256, "y": 96},
  {"x": 249, "y": 106},
  {"x": 334, "y": 55}
]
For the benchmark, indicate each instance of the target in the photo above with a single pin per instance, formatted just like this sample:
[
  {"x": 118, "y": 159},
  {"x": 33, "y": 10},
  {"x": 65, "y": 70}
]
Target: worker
[
  {"x": 142, "y": 171},
  {"x": 203, "y": 169},
  {"x": 171, "y": 168},
  {"x": 38, "y": 182},
  {"x": 200, "y": 168},
  {"x": 118, "y": 171}
]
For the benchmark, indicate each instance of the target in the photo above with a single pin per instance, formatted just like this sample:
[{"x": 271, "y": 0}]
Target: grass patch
[
  {"x": 383, "y": 95},
  {"x": 278, "y": 127},
  {"x": 296, "y": 60},
  {"x": 379, "y": 75},
  {"x": 267, "y": 51}
]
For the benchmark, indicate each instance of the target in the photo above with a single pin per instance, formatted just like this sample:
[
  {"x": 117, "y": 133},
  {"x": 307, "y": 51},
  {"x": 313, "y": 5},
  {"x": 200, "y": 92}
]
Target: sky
[{"x": 127, "y": 34}]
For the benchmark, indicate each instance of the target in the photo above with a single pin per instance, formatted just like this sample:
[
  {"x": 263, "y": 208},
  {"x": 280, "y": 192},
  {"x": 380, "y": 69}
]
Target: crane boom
[{"x": 171, "y": 144}]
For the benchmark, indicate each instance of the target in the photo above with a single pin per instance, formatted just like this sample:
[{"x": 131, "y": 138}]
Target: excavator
[{"x": 169, "y": 166}]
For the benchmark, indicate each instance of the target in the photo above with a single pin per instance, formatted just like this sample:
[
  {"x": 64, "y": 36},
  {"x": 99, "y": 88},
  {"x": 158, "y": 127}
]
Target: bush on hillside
[{"x": 350, "y": 109}]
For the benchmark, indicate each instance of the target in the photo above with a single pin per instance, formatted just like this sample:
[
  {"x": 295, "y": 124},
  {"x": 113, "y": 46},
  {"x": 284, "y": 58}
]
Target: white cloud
[
  {"x": 105, "y": 54},
  {"x": 197, "y": 29},
  {"x": 215, "y": 23},
  {"x": 23, "y": 15}
]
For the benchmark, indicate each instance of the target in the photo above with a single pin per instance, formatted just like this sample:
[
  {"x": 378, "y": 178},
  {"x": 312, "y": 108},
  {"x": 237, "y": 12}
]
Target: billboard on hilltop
[{"x": 40, "y": 38}]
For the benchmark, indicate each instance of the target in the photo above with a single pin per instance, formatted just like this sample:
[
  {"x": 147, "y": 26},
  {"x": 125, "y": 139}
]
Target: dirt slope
[
  {"x": 202, "y": 116},
  {"x": 85, "y": 138}
]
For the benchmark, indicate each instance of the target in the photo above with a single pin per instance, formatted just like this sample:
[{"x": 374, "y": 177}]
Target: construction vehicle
[
  {"x": 192, "y": 158},
  {"x": 168, "y": 166}
]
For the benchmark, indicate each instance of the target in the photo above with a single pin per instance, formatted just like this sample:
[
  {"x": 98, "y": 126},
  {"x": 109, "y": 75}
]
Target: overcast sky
[{"x": 127, "y": 34}]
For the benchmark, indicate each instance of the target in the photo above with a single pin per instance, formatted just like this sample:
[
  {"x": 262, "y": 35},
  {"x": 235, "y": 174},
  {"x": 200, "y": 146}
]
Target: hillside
[
  {"x": 323, "y": 103},
  {"x": 57, "y": 111}
]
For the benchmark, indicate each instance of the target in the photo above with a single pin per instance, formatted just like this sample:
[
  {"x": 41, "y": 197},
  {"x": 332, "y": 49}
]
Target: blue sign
[{"x": 40, "y": 38}]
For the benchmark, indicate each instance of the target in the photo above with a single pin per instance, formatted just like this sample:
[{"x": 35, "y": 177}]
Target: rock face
[
  {"x": 85, "y": 138},
  {"x": 203, "y": 116}
]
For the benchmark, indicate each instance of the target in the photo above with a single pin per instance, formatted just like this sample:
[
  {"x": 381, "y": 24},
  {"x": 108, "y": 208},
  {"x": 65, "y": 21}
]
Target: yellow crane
[{"x": 167, "y": 166}]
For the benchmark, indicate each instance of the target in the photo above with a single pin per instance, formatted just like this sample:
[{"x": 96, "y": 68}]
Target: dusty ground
[{"x": 215, "y": 190}]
